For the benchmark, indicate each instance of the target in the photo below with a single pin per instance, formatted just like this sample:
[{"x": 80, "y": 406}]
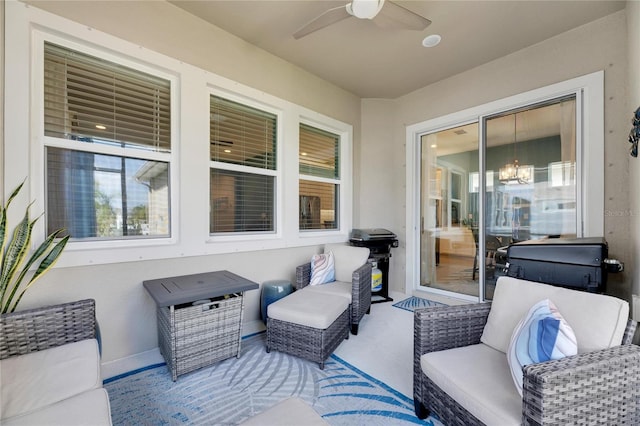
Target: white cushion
[
  {"x": 598, "y": 321},
  {"x": 478, "y": 378},
  {"x": 337, "y": 288},
  {"x": 35, "y": 380},
  {"x": 322, "y": 269},
  {"x": 347, "y": 259},
  {"x": 315, "y": 310},
  {"x": 88, "y": 408},
  {"x": 291, "y": 411},
  {"x": 542, "y": 335}
]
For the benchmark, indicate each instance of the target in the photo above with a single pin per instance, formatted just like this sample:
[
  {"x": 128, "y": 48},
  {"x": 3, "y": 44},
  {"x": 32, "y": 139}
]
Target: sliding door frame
[{"x": 589, "y": 92}]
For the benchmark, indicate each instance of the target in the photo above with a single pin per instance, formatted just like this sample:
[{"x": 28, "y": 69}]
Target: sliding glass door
[
  {"x": 449, "y": 160},
  {"x": 507, "y": 178},
  {"x": 531, "y": 153}
]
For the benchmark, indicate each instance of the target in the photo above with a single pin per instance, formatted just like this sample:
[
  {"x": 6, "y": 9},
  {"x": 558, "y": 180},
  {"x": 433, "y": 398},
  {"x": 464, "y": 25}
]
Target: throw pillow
[
  {"x": 322, "y": 269},
  {"x": 542, "y": 335}
]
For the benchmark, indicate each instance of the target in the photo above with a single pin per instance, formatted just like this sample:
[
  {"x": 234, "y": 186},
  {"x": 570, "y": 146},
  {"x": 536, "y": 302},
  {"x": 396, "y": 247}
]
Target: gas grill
[
  {"x": 379, "y": 242},
  {"x": 577, "y": 263}
]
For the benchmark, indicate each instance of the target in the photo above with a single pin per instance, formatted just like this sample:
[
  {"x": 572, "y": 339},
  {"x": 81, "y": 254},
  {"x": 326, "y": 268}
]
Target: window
[
  {"x": 319, "y": 159},
  {"x": 562, "y": 173},
  {"x": 474, "y": 181},
  {"x": 456, "y": 197},
  {"x": 107, "y": 140},
  {"x": 243, "y": 143}
]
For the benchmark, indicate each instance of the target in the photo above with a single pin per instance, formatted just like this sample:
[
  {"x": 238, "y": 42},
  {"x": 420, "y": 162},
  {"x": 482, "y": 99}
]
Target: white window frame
[
  {"x": 278, "y": 187},
  {"x": 345, "y": 193},
  {"x": 37, "y": 126},
  {"x": 589, "y": 92}
]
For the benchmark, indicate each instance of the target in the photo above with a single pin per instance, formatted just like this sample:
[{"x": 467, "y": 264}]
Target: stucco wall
[{"x": 600, "y": 45}]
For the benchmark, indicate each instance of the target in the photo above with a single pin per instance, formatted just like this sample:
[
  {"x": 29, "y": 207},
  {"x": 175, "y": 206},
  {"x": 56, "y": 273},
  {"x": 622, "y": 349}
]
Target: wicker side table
[{"x": 199, "y": 318}]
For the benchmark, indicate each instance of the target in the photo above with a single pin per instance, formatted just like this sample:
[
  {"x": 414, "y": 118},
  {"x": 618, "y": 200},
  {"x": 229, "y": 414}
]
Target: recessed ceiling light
[
  {"x": 227, "y": 151},
  {"x": 434, "y": 146},
  {"x": 303, "y": 153},
  {"x": 101, "y": 127},
  {"x": 431, "y": 40}
]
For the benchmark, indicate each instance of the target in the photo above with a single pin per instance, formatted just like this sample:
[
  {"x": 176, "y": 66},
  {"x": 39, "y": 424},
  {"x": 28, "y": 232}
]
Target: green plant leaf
[
  {"x": 47, "y": 263},
  {"x": 3, "y": 221},
  {"x": 51, "y": 258},
  {"x": 39, "y": 252},
  {"x": 15, "y": 253},
  {"x": 15, "y": 256}
]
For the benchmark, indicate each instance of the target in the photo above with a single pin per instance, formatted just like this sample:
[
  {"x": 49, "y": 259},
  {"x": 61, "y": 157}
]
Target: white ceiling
[{"x": 375, "y": 62}]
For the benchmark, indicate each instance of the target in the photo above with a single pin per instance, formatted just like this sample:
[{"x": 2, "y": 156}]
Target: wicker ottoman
[{"x": 308, "y": 325}]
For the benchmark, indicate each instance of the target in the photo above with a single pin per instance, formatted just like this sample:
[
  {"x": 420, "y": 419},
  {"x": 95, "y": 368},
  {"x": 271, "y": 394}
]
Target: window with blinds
[
  {"x": 243, "y": 142},
  {"x": 120, "y": 190},
  {"x": 319, "y": 186},
  {"x": 88, "y": 99}
]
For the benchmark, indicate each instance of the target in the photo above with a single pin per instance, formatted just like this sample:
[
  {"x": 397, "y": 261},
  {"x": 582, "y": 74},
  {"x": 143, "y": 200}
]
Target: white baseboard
[
  {"x": 124, "y": 365},
  {"x": 253, "y": 327},
  {"x": 144, "y": 359}
]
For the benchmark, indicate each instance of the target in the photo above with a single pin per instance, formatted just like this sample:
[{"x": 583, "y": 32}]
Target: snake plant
[{"x": 16, "y": 273}]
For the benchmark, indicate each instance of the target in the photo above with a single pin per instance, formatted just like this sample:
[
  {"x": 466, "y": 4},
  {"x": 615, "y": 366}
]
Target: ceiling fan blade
[
  {"x": 394, "y": 15},
  {"x": 329, "y": 17}
]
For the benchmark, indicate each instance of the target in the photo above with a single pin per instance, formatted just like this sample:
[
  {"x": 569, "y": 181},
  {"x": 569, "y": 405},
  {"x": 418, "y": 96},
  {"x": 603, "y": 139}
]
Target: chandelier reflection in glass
[{"x": 514, "y": 173}]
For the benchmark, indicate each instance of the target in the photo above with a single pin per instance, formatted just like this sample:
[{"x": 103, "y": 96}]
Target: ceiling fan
[{"x": 387, "y": 14}]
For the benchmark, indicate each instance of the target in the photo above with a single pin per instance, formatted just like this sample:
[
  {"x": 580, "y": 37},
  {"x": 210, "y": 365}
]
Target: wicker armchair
[
  {"x": 600, "y": 387},
  {"x": 360, "y": 283},
  {"x": 38, "y": 329},
  {"x": 51, "y": 357}
]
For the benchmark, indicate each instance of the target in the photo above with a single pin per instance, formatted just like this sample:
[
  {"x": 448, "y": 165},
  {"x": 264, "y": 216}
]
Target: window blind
[
  {"x": 241, "y": 202},
  {"x": 243, "y": 135},
  {"x": 319, "y": 157},
  {"x": 319, "y": 153},
  {"x": 93, "y": 100},
  {"x": 318, "y": 205}
]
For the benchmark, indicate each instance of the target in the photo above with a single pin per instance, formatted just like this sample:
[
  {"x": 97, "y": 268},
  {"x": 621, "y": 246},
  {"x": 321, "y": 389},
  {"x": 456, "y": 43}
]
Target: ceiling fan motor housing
[{"x": 365, "y": 9}]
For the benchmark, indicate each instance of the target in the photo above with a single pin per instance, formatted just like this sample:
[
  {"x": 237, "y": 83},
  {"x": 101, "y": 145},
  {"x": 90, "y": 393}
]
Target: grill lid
[{"x": 372, "y": 234}]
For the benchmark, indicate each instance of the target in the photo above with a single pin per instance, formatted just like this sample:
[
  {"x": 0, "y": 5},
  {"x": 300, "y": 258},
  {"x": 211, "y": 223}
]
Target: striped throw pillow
[
  {"x": 542, "y": 335},
  {"x": 322, "y": 269}
]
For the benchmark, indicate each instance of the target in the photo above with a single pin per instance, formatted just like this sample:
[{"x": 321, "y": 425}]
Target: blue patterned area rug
[
  {"x": 233, "y": 390},
  {"x": 413, "y": 303}
]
